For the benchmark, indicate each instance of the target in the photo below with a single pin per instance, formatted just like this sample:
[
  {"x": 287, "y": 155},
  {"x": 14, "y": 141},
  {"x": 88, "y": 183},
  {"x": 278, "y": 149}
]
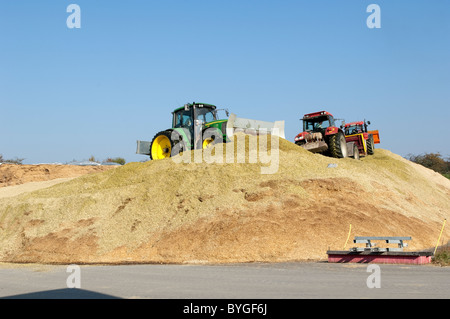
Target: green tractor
[{"x": 198, "y": 126}]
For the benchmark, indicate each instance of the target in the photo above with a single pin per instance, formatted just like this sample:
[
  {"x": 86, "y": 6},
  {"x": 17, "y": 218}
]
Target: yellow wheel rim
[
  {"x": 207, "y": 142},
  {"x": 161, "y": 147}
]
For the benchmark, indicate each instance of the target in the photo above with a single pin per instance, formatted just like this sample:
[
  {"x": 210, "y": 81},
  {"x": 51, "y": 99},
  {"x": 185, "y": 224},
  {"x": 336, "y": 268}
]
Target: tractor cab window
[
  {"x": 183, "y": 118},
  {"x": 206, "y": 114},
  {"x": 354, "y": 129},
  {"x": 316, "y": 124}
]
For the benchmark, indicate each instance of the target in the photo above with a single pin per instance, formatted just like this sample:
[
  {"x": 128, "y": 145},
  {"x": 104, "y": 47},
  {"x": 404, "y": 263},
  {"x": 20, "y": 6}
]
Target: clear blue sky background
[{"x": 71, "y": 93}]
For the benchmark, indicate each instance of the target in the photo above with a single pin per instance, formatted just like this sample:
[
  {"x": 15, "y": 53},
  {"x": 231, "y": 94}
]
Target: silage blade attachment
[{"x": 254, "y": 127}]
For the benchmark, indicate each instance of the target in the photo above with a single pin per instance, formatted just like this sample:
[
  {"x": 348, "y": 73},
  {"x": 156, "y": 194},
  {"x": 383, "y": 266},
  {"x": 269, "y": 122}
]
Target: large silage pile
[{"x": 170, "y": 211}]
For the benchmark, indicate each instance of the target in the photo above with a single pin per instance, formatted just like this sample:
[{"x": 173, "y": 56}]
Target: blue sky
[{"x": 71, "y": 93}]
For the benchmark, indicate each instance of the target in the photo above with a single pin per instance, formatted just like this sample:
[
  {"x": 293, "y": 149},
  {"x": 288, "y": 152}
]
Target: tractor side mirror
[{"x": 368, "y": 122}]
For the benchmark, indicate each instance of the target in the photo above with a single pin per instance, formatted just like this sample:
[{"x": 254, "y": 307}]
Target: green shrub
[
  {"x": 118, "y": 160},
  {"x": 442, "y": 257},
  {"x": 433, "y": 161}
]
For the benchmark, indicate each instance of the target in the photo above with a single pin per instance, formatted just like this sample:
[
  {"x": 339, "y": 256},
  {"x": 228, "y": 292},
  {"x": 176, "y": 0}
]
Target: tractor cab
[
  {"x": 318, "y": 122},
  {"x": 185, "y": 116},
  {"x": 356, "y": 127}
]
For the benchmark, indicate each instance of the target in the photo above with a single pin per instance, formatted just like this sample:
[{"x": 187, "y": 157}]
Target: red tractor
[
  {"x": 321, "y": 135},
  {"x": 365, "y": 140}
]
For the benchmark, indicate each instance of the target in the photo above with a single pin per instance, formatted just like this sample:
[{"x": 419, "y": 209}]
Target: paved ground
[{"x": 254, "y": 281}]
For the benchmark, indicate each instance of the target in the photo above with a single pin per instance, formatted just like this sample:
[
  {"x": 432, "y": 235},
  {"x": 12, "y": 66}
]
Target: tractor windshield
[
  {"x": 316, "y": 123},
  {"x": 353, "y": 129}
]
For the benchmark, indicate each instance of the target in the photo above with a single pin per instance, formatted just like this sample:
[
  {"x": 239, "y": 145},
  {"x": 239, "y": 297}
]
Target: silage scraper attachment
[{"x": 253, "y": 127}]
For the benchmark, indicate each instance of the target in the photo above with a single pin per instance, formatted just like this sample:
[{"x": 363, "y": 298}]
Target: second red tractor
[{"x": 365, "y": 140}]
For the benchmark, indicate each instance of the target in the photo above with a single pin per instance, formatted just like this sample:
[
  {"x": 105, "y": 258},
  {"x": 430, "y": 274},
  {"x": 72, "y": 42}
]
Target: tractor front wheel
[
  {"x": 167, "y": 144},
  {"x": 161, "y": 146}
]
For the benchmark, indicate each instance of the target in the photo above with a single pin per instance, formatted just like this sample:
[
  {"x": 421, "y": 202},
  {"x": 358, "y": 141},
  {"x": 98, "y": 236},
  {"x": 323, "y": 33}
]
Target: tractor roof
[
  {"x": 316, "y": 114},
  {"x": 354, "y": 123},
  {"x": 198, "y": 104}
]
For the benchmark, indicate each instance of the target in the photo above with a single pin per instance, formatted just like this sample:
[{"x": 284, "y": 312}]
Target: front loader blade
[{"x": 143, "y": 147}]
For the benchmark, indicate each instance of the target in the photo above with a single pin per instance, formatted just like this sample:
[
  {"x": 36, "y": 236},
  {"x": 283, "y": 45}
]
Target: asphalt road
[{"x": 237, "y": 281}]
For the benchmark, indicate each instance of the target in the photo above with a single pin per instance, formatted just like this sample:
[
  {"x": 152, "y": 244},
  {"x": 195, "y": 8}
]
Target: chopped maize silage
[{"x": 169, "y": 212}]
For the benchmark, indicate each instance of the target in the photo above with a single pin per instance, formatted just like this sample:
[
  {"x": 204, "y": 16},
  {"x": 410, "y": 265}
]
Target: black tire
[
  {"x": 370, "y": 145},
  {"x": 337, "y": 145},
  {"x": 355, "y": 152},
  {"x": 171, "y": 142}
]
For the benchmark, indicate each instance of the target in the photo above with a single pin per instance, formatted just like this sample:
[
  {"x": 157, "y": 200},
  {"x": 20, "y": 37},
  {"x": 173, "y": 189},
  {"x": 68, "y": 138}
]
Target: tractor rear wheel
[
  {"x": 337, "y": 145},
  {"x": 370, "y": 145}
]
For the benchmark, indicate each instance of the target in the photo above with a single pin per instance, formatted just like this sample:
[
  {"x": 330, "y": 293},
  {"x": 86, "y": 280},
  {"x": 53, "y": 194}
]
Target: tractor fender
[{"x": 331, "y": 130}]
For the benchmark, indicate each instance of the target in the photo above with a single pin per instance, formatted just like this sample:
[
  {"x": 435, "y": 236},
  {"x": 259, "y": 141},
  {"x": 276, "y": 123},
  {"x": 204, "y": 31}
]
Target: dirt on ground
[
  {"x": 15, "y": 174},
  {"x": 165, "y": 211}
]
